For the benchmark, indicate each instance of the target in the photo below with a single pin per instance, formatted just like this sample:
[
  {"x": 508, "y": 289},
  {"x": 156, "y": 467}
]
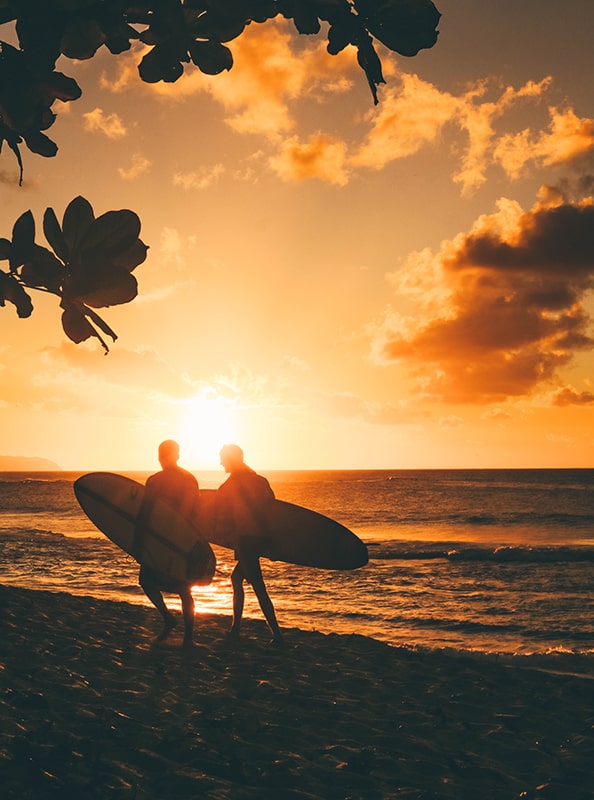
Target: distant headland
[{"x": 26, "y": 464}]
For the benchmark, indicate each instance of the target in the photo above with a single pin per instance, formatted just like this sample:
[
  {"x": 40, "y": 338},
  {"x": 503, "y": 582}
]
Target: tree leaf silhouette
[
  {"x": 42, "y": 269},
  {"x": 90, "y": 266},
  {"x": 211, "y": 57},
  {"x": 23, "y": 238},
  {"x": 54, "y": 235},
  {"x": 131, "y": 258},
  {"x": 75, "y": 324},
  {"x": 162, "y": 63},
  {"x": 405, "y": 26},
  {"x": 100, "y": 323},
  {"x": 219, "y": 24},
  {"x": 100, "y": 284},
  {"x": 39, "y": 143},
  {"x": 12, "y": 291},
  {"x": 5, "y": 248},
  {"x": 112, "y": 232},
  {"x": 78, "y": 218},
  {"x": 82, "y": 38}
]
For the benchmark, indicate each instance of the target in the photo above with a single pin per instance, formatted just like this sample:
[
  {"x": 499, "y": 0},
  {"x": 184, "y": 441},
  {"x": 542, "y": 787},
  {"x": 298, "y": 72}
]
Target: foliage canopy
[
  {"x": 91, "y": 259},
  {"x": 177, "y": 32}
]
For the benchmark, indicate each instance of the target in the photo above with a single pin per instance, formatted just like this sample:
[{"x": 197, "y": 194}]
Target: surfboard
[
  {"x": 172, "y": 545},
  {"x": 290, "y": 533}
]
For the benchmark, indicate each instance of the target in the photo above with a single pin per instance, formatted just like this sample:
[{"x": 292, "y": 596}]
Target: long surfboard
[
  {"x": 290, "y": 533},
  {"x": 172, "y": 545}
]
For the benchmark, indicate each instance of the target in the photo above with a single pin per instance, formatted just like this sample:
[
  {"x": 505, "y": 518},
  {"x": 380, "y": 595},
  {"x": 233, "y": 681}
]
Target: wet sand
[{"x": 92, "y": 707}]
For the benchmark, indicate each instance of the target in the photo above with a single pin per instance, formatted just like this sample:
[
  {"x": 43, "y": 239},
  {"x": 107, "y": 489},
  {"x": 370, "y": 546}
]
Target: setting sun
[{"x": 206, "y": 424}]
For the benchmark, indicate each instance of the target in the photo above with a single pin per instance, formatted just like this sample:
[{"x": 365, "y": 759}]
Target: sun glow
[{"x": 208, "y": 422}]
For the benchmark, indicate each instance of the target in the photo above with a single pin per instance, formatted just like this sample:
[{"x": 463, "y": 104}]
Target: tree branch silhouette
[{"x": 89, "y": 265}]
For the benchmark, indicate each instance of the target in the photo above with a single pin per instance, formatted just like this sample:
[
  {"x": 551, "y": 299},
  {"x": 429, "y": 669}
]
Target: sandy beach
[{"x": 92, "y": 707}]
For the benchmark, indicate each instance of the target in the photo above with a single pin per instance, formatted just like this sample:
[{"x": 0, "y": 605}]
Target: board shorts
[
  {"x": 162, "y": 582},
  {"x": 248, "y": 550}
]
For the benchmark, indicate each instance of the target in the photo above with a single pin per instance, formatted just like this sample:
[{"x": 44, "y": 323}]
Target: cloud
[
  {"x": 353, "y": 406},
  {"x": 173, "y": 252},
  {"x": 272, "y": 69},
  {"x": 451, "y": 423},
  {"x": 567, "y": 139},
  {"x": 415, "y": 113},
  {"x": 199, "y": 180},
  {"x": 111, "y": 124},
  {"x": 143, "y": 362},
  {"x": 497, "y": 414},
  {"x": 321, "y": 157},
  {"x": 138, "y": 167},
  {"x": 163, "y": 292},
  {"x": 477, "y": 120},
  {"x": 125, "y": 74},
  {"x": 8, "y": 178},
  {"x": 279, "y": 82},
  {"x": 295, "y": 363},
  {"x": 271, "y": 72},
  {"x": 71, "y": 378},
  {"x": 509, "y": 311},
  {"x": 244, "y": 387},
  {"x": 173, "y": 246},
  {"x": 568, "y": 396},
  {"x": 411, "y": 114},
  {"x": 555, "y": 240}
]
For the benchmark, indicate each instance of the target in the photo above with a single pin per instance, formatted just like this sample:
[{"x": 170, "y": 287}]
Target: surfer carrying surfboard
[
  {"x": 178, "y": 488},
  {"x": 241, "y": 501}
]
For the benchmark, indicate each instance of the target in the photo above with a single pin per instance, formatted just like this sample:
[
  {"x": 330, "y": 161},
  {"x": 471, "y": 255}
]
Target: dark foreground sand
[{"x": 90, "y": 707}]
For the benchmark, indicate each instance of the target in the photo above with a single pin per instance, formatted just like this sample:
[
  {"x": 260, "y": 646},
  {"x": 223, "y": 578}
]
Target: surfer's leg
[
  {"x": 253, "y": 574},
  {"x": 153, "y": 592},
  {"x": 188, "y": 613},
  {"x": 237, "y": 578},
  {"x": 267, "y": 609}
]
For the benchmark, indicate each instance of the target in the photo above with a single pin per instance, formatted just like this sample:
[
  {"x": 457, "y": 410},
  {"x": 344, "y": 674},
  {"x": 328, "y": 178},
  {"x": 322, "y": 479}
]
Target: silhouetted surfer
[
  {"x": 242, "y": 499},
  {"x": 178, "y": 488}
]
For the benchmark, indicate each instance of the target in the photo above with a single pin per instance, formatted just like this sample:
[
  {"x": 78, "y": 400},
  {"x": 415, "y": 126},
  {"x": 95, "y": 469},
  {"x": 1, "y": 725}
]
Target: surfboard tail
[{"x": 202, "y": 563}]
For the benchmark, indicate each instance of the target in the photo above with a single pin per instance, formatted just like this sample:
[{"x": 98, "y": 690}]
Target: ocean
[{"x": 496, "y": 562}]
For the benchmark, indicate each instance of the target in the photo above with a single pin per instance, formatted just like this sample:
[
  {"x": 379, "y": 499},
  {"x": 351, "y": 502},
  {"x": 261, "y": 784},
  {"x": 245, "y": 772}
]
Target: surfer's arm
[
  {"x": 139, "y": 529},
  {"x": 265, "y": 493},
  {"x": 188, "y": 506},
  {"x": 142, "y": 521}
]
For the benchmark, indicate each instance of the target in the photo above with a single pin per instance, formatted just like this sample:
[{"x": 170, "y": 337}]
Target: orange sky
[{"x": 329, "y": 283}]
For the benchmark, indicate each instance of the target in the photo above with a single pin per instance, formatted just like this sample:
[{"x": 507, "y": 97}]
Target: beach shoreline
[{"x": 91, "y": 707}]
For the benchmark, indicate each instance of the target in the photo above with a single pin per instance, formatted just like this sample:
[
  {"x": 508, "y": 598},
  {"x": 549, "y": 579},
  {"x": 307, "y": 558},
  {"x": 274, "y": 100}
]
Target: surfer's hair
[
  {"x": 169, "y": 448},
  {"x": 232, "y": 452}
]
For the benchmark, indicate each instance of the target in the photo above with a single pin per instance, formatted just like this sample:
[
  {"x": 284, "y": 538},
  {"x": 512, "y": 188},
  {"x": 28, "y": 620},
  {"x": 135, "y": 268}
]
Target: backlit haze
[{"x": 330, "y": 284}]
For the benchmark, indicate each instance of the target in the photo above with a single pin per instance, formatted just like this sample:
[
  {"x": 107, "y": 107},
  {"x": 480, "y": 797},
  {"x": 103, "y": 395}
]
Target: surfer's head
[
  {"x": 231, "y": 456},
  {"x": 168, "y": 453}
]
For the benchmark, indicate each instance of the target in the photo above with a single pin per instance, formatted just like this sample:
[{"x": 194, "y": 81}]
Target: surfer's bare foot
[
  {"x": 232, "y": 634},
  {"x": 278, "y": 639}
]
